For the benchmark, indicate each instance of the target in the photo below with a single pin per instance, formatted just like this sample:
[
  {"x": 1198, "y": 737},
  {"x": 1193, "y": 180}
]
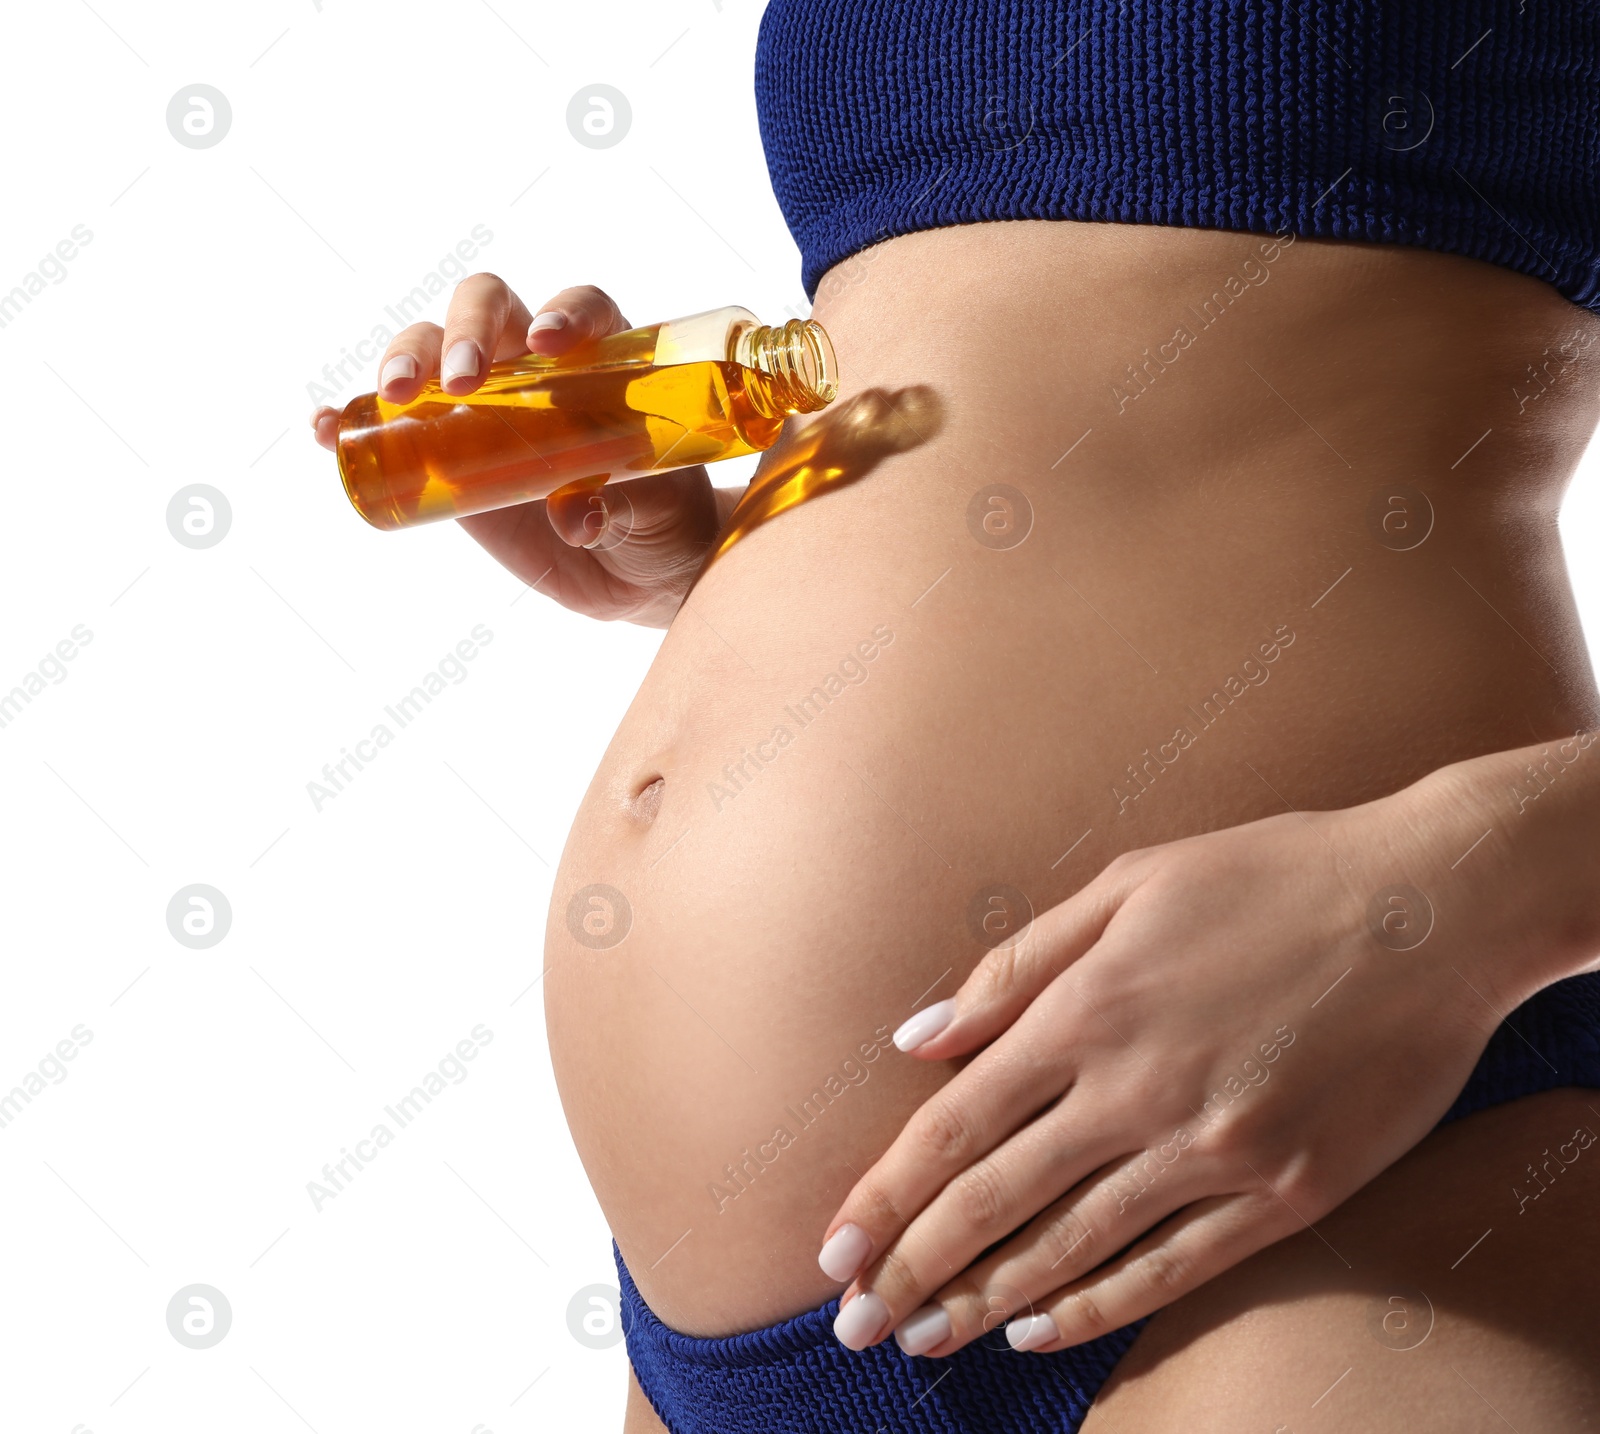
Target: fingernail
[
  {"x": 595, "y": 520},
  {"x": 928, "y": 1327},
  {"x": 861, "y": 1322},
  {"x": 400, "y": 366},
  {"x": 925, "y": 1025},
  {"x": 550, "y": 319},
  {"x": 845, "y": 1253},
  {"x": 461, "y": 361},
  {"x": 1030, "y": 1333}
]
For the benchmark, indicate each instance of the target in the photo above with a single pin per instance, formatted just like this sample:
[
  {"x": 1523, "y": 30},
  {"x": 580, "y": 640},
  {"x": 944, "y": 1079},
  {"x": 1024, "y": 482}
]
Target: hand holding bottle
[{"x": 629, "y": 552}]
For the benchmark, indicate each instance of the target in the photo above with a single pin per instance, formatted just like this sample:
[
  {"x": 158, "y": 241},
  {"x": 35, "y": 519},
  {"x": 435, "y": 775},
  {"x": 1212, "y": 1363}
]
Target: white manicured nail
[
  {"x": 925, "y": 1025},
  {"x": 400, "y": 366},
  {"x": 845, "y": 1253},
  {"x": 550, "y": 319},
  {"x": 928, "y": 1327},
  {"x": 1030, "y": 1333},
  {"x": 861, "y": 1322},
  {"x": 461, "y": 361}
]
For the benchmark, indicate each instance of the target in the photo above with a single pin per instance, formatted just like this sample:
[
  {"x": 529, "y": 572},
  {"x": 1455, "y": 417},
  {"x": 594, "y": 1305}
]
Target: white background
[{"x": 371, "y": 936}]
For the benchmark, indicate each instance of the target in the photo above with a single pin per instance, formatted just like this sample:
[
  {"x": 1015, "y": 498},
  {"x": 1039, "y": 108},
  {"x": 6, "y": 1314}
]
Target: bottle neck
[{"x": 798, "y": 359}]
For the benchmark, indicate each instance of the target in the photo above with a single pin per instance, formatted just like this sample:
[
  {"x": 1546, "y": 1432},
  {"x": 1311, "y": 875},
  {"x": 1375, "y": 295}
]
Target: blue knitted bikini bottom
[{"x": 796, "y": 1378}]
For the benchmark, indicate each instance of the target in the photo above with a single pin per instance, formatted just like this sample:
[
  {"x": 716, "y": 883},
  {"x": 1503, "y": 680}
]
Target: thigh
[{"x": 1460, "y": 1290}]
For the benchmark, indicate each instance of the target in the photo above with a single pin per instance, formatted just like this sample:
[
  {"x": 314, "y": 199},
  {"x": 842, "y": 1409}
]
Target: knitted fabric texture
[
  {"x": 1468, "y": 126},
  {"x": 796, "y": 1378}
]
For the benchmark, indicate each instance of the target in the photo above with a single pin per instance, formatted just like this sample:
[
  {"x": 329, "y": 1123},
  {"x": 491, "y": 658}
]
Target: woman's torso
[{"x": 1290, "y": 541}]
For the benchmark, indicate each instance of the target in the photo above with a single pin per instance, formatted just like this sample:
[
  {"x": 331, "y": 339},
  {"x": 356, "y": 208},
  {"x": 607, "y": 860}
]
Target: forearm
[{"x": 1507, "y": 848}]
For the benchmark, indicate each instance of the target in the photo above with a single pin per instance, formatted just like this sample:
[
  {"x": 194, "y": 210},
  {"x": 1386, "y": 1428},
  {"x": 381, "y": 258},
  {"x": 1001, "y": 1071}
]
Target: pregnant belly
[{"x": 1050, "y": 624}]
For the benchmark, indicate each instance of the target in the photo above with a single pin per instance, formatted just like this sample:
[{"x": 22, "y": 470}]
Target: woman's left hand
[{"x": 1204, "y": 1050}]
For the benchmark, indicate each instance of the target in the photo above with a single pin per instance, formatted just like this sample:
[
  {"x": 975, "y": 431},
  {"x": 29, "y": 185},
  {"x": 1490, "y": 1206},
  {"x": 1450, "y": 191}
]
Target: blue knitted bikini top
[{"x": 1470, "y": 126}]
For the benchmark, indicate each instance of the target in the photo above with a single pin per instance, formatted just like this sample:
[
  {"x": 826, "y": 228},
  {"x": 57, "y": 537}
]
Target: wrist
[{"x": 1507, "y": 848}]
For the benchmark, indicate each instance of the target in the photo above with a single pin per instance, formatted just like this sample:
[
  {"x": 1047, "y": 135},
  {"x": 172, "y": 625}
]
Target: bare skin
[
  {"x": 777, "y": 929},
  {"x": 1326, "y": 1330},
  {"x": 792, "y": 904},
  {"x": 1329, "y": 1333}
]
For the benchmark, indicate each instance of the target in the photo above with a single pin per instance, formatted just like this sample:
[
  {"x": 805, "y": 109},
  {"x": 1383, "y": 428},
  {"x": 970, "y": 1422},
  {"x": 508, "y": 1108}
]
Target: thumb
[
  {"x": 579, "y": 513},
  {"x": 1008, "y": 980},
  {"x": 652, "y": 533}
]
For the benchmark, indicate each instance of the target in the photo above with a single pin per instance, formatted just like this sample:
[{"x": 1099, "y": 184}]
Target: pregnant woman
[{"x": 1127, "y": 844}]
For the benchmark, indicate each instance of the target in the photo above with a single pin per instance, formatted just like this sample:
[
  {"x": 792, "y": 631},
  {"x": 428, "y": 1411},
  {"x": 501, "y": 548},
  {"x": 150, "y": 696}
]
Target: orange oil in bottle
[{"x": 609, "y": 411}]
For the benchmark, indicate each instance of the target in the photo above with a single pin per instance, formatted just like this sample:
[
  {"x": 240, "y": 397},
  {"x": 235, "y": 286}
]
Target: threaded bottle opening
[{"x": 797, "y": 357}]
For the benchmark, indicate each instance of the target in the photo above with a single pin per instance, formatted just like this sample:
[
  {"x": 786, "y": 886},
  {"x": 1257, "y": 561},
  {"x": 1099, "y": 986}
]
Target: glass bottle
[{"x": 692, "y": 390}]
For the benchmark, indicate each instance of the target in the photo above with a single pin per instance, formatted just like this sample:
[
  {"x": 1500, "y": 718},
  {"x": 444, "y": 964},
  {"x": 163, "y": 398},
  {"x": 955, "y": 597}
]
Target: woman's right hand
[{"x": 628, "y": 550}]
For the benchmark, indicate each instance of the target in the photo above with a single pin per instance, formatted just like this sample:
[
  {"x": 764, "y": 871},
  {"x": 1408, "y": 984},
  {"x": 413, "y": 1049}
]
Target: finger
[
  {"x": 1197, "y": 1244},
  {"x": 325, "y": 427},
  {"x": 584, "y": 515},
  {"x": 987, "y": 1201},
  {"x": 1104, "y": 1214},
  {"x": 657, "y": 529},
  {"x": 486, "y": 321},
  {"x": 949, "y": 1136},
  {"x": 1009, "y": 978},
  {"x": 636, "y": 554},
  {"x": 411, "y": 359},
  {"x": 573, "y": 317}
]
